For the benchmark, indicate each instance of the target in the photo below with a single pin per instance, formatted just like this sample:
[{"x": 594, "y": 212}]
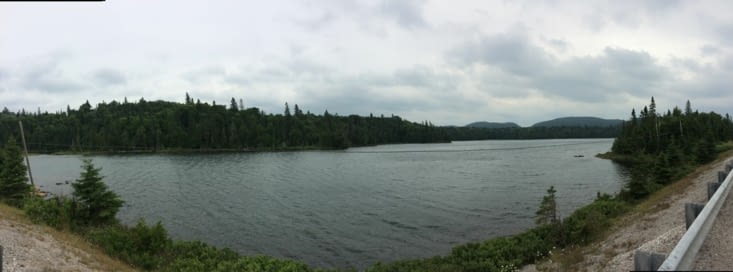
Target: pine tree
[
  {"x": 233, "y": 105},
  {"x": 13, "y": 180},
  {"x": 547, "y": 213},
  {"x": 97, "y": 204}
]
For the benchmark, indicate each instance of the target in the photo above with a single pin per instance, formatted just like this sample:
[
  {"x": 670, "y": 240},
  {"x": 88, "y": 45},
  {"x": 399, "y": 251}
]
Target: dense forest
[
  {"x": 195, "y": 125},
  {"x": 161, "y": 125},
  {"x": 526, "y": 133},
  {"x": 660, "y": 148}
]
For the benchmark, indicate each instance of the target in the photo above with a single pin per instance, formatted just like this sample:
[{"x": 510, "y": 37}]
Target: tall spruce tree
[
  {"x": 97, "y": 204},
  {"x": 13, "y": 180}
]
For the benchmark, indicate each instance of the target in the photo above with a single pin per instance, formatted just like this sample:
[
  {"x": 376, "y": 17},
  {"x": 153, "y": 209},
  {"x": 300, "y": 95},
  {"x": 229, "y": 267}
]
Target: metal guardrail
[{"x": 683, "y": 255}]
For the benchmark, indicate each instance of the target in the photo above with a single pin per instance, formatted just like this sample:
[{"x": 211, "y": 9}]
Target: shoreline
[{"x": 656, "y": 225}]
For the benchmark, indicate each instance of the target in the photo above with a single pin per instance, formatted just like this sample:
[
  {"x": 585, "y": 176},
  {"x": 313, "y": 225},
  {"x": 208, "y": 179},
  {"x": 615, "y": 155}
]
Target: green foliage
[
  {"x": 196, "y": 256},
  {"x": 479, "y": 133},
  {"x": 57, "y": 212},
  {"x": 587, "y": 223},
  {"x": 142, "y": 246},
  {"x": 662, "y": 148},
  {"x": 161, "y": 125},
  {"x": 14, "y": 185},
  {"x": 150, "y": 248},
  {"x": 97, "y": 205},
  {"x": 547, "y": 213}
]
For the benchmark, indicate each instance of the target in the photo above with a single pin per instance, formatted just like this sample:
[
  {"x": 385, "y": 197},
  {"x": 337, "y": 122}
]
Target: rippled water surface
[{"x": 349, "y": 208}]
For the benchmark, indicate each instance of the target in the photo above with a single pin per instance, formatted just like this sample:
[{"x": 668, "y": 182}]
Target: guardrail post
[
  {"x": 721, "y": 176},
  {"x": 712, "y": 187},
  {"x": 691, "y": 212},
  {"x": 729, "y": 167},
  {"x": 648, "y": 261}
]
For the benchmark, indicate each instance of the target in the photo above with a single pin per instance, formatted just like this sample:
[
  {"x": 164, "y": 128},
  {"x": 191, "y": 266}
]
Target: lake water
[{"x": 350, "y": 208}]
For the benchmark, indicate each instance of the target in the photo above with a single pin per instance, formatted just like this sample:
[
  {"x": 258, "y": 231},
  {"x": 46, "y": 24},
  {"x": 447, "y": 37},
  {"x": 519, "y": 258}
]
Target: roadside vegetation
[{"x": 658, "y": 149}]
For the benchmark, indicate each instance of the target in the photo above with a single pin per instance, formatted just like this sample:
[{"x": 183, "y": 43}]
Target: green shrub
[
  {"x": 586, "y": 223},
  {"x": 142, "y": 246},
  {"x": 57, "y": 212},
  {"x": 198, "y": 256}
]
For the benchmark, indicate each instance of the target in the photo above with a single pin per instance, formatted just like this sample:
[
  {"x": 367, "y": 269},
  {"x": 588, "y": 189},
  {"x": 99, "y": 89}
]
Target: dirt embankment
[
  {"x": 654, "y": 226},
  {"x": 29, "y": 247}
]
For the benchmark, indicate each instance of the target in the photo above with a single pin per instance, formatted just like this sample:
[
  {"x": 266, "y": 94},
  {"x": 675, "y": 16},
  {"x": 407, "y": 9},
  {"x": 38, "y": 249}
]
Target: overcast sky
[{"x": 450, "y": 62}]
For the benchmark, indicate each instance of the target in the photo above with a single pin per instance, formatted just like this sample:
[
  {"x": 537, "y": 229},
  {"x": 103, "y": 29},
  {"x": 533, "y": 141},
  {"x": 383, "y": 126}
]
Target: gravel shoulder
[
  {"x": 717, "y": 250},
  {"x": 655, "y": 226},
  {"x": 30, "y": 247}
]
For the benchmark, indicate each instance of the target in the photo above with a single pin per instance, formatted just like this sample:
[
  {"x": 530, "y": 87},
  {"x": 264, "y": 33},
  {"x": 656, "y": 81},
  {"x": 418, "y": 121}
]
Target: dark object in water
[
  {"x": 578, "y": 156},
  {"x": 58, "y": 183}
]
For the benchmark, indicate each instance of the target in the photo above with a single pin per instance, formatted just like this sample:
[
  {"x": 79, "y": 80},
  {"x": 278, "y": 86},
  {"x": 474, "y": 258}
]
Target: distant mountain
[
  {"x": 579, "y": 122},
  {"x": 484, "y": 124}
]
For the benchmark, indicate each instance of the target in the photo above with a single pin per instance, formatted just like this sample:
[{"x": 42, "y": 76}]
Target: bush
[
  {"x": 142, "y": 246},
  {"x": 586, "y": 223},
  {"x": 198, "y": 256},
  {"x": 57, "y": 212}
]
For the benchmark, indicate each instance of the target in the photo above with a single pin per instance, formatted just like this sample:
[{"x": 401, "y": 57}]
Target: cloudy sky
[{"x": 450, "y": 62}]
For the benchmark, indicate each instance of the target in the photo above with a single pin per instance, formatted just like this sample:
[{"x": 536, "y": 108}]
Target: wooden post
[
  {"x": 712, "y": 187},
  {"x": 648, "y": 261},
  {"x": 25, "y": 147},
  {"x": 721, "y": 176},
  {"x": 692, "y": 210}
]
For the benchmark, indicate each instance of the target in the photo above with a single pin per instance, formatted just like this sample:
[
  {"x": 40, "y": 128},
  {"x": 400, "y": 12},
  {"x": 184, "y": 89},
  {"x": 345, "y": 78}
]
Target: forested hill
[
  {"x": 484, "y": 124},
  {"x": 579, "y": 122},
  {"x": 161, "y": 125}
]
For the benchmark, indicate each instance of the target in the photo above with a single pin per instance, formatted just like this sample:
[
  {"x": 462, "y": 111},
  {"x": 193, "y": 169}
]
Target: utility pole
[{"x": 25, "y": 147}]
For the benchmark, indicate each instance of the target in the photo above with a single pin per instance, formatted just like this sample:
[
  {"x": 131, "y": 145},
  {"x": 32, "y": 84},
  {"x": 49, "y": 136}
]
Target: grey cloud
[
  {"x": 659, "y": 5},
  {"x": 108, "y": 76},
  {"x": 558, "y": 44},
  {"x": 597, "y": 78},
  {"x": 238, "y": 79},
  {"x": 725, "y": 33},
  {"x": 47, "y": 78},
  {"x": 202, "y": 74},
  {"x": 429, "y": 91},
  {"x": 714, "y": 85},
  {"x": 524, "y": 66},
  {"x": 512, "y": 53},
  {"x": 317, "y": 23},
  {"x": 709, "y": 50},
  {"x": 407, "y": 13}
]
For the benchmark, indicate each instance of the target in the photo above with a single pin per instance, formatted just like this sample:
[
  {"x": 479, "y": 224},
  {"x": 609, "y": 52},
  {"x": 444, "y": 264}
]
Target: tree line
[
  {"x": 662, "y": 147},
  {"x": 530, "y": 133},
  {"x": 162, "y": 125},
  {"x": 195, "y": 125}
]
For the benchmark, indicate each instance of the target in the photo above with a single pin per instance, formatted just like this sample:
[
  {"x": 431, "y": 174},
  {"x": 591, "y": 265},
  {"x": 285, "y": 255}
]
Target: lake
[{"x": 350, "y": 208}]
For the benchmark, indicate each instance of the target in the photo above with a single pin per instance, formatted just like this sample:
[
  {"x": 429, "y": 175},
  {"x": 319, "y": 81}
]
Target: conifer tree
[
  {"x": 13, "y": 180},
  {"x": 547, "y": 213},
  {"x": 97, "y": 204}
]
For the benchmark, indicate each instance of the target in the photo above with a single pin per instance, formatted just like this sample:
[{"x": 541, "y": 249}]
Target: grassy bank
[{"x": 90, "y": 255}]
